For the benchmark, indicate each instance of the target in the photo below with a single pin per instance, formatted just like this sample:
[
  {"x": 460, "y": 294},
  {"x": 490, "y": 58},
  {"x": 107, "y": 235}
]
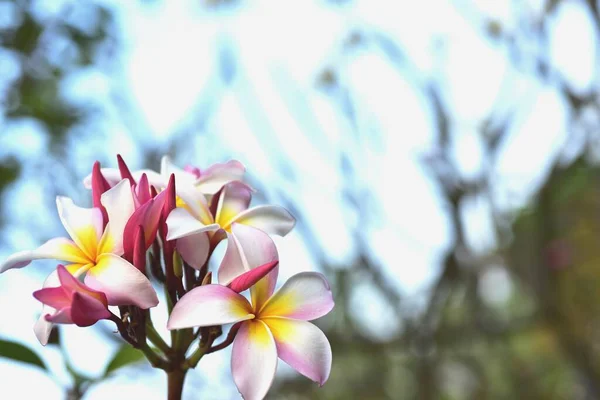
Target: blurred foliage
[{"x": 18, "y": 352}]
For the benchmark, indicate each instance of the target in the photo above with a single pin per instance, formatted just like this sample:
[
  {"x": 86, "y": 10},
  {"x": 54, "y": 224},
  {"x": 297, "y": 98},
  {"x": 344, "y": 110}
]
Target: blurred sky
[{"x": 171, "y": 70}]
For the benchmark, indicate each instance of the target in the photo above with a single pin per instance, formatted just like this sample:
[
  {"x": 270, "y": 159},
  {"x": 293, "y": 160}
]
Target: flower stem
[
  {"x": 156, "y": 339},
  {"x": 175, "y": 381}
]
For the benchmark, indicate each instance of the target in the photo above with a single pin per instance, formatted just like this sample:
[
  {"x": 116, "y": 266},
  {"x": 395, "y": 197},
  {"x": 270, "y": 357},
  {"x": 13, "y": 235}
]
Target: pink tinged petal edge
[
  {"x": 216, "y": 176},
  {"x": 253, "y": 360},
  {"x": 274, "y": 220},
  {"x": 87, "y": 310},
  {"x": 80, "y": 223},
  {"x": 121, "y": 282},
  {"x": 257, "y": 248},
  {"x": 194, "y": 249},
  {"x": 42, "y": 328},
  {"x": 181, "y": 223},
  {"x": 54, "y": 249},
  {"x": 303, "y": 346},
  {"x": 305, "y": 296},
  {"x": 55, "y": 297},
  {"x": 246, "y": 280},
  {"x": 167, "y": 168},
  {"x": 99, "y": 186},
  {"x": 209, "y": 305},
  {"x": 142, "y": 190}
]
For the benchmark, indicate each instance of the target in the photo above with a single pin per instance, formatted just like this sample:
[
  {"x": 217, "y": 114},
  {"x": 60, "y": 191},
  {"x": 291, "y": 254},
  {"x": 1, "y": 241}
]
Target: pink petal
[
  {"x": 248, "y": 248},
  {"x": 234, "y": 198},
  {"x": 119, "y": 205},
  {"x": 274, "y": 220},
  {"x": 246, "y": 280},
  {"x": 62, "y": 316},
  {"x": 304, "y": 296},
  {"x": 253, "y": 360},
  {"x": 194, "y": 249},
  {"x": 87, "y": 310},
  {"x": 142, "y": 190},
  {"x": 209, "y": 305},
  {"x": 124, "y": 170},
  {"x": 121, "y": 282},
  {"x": 146, "y": 216},
  {"x": 55, "y": 297},
  {"x": 303, "y": 346},
  {"x": 84, "y": 225},
  {"x": 216, "y": 176},
  {"x": 54, "y": 249},
  {"x": 181, "y": 223},
  {"x": 70, "y": 284}
]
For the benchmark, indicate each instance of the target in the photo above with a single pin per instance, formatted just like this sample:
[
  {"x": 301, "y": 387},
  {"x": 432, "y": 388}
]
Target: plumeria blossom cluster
[{"x": 148, "y": 229}]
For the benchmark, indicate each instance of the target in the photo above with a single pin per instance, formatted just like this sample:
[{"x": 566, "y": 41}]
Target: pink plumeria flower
[
  {"x": 94, "y": 250},
  {"x": 192, "y": 219},
  {"x": 271, "y": 326},
  {"x": 73, "y": 302},
  {"x": 208, "y": 181}
]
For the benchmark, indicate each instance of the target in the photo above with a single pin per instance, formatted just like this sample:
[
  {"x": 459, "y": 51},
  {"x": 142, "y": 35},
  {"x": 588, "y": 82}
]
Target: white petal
[
  {"x": 181, "y": 223},
  {"x": 274, "y": 220},
  {"x": 119, "y": 205},
  {"x": 194, "y": 249},
  {"x": 304, "y": 296},
  {"x": 303, "y": 346},
  {"x": 84, "y": 225},
  {"x": 253, "y": 360},
  {"x": 209, "y": 305},
  {"x": 122, "y": 283},
  {"x": 54, "y": 249}
]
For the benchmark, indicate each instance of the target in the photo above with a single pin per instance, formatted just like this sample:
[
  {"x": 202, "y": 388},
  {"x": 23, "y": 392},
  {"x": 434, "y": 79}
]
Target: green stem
[
  {"x": 155, "y": 360},
  {"x": 156, "y": 339}
]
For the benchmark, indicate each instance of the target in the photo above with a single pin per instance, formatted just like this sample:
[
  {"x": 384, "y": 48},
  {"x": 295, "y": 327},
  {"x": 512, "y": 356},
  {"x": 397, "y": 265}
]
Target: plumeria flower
[
  {"x": 94, "y": 249},
  {"x": 208, "y": 181},
  {"x": 190, "y": 222},
  {"x": 73, "y": 302},
  {"x": 271, "y": 325}
]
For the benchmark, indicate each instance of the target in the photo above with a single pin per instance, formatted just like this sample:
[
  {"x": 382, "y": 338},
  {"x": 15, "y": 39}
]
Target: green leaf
[
  {"x": 125, "y": 356},
  {"x": 18, "y": 352}
]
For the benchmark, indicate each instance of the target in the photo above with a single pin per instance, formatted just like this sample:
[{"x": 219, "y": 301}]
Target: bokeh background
[{"x": 442, "y": 158}]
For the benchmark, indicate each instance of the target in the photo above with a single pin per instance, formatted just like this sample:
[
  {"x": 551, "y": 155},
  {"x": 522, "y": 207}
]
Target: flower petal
[
  {"x": 181, "y": 223},
  {"x": 253, "y": 360},
  {"x": 147, "y": 216},
  {"x": 87, "y": 310},
  {"x": 218, "y": 175},
  {"x": 247, "y": 279},
  {"x": 209, "y": 305},
  {"x": 303, "y": 346},
  {"x": 194, "y": 249},
  {"x": 248, "y": 248},
  {"x": 234, "y": 198},
  {"x": 121, "y": 282},
  {"x": 193, "y": 200},
  {"x": 119, "y": 205},
  {"x": 84, "y": 225},
  {"x": 274, "y": 220},
  {"x": 304, "y": 296},
  {"x": 167, "y": 168},
  {"x": 54, "y": 249}
]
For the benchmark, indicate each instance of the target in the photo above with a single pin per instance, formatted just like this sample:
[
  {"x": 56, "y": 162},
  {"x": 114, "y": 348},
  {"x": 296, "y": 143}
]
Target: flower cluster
[{"x": 149, "y": 228}]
